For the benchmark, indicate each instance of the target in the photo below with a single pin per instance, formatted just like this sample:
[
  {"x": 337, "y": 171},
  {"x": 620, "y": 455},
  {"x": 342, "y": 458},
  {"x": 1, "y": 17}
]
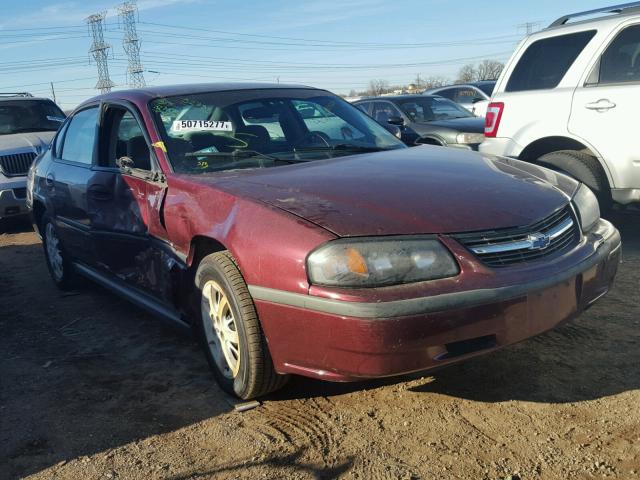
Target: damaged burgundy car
[{"x": 297, "y": 236}]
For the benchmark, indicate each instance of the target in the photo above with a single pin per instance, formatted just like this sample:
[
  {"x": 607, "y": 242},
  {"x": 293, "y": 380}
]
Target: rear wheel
[
  {"x": 585, "y": 168},
  {"x": 230, "y": 331},
  {"x": 58, "y": 262}
]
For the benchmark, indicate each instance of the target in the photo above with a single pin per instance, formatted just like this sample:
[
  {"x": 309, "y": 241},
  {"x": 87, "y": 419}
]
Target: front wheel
[
  {"x": 230, "y": 331},
  {"x": 585, "y": 168}
]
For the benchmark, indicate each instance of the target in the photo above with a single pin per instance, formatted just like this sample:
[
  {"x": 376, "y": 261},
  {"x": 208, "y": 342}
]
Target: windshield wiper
[{"x": 243, "y": 154}]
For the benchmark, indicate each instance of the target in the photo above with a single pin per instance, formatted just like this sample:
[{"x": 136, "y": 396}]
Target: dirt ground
[{"x": 93, "y": 388}]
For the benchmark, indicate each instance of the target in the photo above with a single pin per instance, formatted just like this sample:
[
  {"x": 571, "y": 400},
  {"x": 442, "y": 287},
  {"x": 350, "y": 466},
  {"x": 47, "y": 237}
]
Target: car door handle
[
  {"x": 49, "y": 180},
  {"x": 99, "y": 193},
  {"x": 601, "y": 105}
]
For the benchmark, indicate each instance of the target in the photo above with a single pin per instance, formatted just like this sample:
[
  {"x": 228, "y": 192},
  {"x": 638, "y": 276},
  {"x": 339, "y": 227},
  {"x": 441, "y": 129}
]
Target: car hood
[
  {"x": 468, "y": 125},
  {"x": 420, "y": 190},
  {"x": 33, "y": 141}
]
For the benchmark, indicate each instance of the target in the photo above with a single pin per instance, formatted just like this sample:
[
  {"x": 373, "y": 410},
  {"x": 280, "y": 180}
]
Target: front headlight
[
  {"x": 375, "y": 262},
  {"x": 470, "y": 138},
  {"x": 587, "y": 206}
]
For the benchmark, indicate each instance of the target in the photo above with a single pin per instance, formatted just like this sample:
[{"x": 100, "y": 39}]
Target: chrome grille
[
  {"x": 16, "y": 164},
  {"x": 504, "y": 247}
]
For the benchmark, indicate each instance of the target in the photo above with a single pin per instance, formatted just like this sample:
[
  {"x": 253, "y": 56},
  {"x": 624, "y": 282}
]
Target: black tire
[
  {"x": 62, "y": 272},
  {"x": 255, "y": 374},
  {"x": 585, "y": 168}
]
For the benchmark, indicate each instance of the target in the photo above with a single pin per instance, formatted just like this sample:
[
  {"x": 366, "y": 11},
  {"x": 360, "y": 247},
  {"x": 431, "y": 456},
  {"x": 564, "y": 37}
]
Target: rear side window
[
  {"x": 545, "y": 62},
  {"x": 621, "y": 62},
  {"x": 80, "y": 137}
]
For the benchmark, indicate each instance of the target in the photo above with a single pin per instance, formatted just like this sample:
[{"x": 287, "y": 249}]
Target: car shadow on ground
[
  {"x": 19, "y": 224},
  {"x": 593, "y": 356},
  {"x": 294, "y": 463},
  {"x": 85, "y": 372}
]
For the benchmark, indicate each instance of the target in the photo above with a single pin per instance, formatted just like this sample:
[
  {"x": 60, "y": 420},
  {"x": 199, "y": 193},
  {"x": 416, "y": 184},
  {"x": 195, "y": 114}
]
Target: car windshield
[
  {"x": 429, "y": 109},
  {"x": 242, "y": 129},
  {"x": 21, "y": 116}
]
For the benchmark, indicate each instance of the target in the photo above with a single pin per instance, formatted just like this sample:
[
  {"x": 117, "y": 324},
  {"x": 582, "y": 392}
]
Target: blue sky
[{"x": 334, "y": 44}]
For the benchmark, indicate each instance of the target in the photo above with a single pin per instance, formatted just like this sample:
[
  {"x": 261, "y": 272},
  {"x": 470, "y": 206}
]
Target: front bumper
[
  {"x": 345, "y": 340},
  {"x": 13, "y": 197}
]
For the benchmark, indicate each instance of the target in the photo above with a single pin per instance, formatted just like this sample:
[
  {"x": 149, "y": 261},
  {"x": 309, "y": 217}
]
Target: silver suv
[
  {"x": 27, "y": 125},
  {"x": 569, "y": 99}
]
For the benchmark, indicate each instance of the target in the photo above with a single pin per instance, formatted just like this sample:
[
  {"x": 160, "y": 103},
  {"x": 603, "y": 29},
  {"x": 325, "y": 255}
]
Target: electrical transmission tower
[
  {"x": 99, "y": 49},
  {"x": 127, "y": 12},
  {"x": 529, "y": 27}
]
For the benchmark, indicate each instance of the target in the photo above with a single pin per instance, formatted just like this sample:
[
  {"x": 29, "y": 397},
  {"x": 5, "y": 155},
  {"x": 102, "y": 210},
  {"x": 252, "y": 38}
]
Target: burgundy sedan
[{"x": 295, "y": 235}]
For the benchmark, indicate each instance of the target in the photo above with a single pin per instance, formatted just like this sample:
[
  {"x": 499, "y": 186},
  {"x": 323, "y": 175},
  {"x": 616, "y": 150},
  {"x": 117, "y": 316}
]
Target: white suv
[{"x": 569, "y": 99}]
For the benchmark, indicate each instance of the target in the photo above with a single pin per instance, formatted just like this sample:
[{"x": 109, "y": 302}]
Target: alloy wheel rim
[
  {"x": 54, "y": 255},
  {"x": 221, "y": 329}
]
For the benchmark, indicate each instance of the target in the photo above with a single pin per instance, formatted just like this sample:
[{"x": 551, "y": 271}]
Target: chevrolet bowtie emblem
[{"x": 539, "y": 241}]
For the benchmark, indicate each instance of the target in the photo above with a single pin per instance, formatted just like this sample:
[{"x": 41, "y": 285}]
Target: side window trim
[
  {"x": 56, "y": 149},
  {"x": 58, "y": 154},
  {"x": 155, "y": 171}
]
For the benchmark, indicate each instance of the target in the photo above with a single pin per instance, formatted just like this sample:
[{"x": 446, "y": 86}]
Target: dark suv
[{"x": 27, "y": 125}]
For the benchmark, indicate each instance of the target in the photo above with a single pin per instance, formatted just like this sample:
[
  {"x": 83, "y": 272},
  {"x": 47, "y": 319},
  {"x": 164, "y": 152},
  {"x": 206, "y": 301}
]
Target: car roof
[
  {"x": 20, "y": 98},
  {"x": 407, "y": 96},
  {"x": 149, "y": 93}
]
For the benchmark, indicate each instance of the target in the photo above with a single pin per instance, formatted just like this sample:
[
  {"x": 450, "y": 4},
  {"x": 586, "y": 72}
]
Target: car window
[
  {"x": 263, "y": 115},
  {"x": 263, "y": 129},
  {"x": 430, "y": 108},
  {"x": 364, "y": 106},
  {"x": 467, "y": 95},
  {"x": 620, "y": 63},
  {"x": 23, "y": 116},
  {"x": 128, "y": 140},
  {"x": 545, "y": 63},
  {"x": 80, "y": 137},
  {"x": 382, "y": 111},
  {"x": 487, "y": 88},
  {"x": 449, "y": 93},
  {"x": 318, "y": 119},
  {"x": 57, "y": 146}
]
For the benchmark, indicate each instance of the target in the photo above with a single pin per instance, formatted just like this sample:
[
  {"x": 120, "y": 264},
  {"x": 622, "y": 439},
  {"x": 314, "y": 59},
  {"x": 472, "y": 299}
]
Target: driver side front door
[{"x": 127, "y": 224}]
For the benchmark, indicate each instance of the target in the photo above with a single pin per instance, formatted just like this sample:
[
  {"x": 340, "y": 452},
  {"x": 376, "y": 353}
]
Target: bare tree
[
  {"x": 353, "y": 93},
  {"x": 489, "y": 70},
  {"x": 467, "y": 74},
  {"x": 435, "y": 82},
  {"x": 378, "y": 87}
]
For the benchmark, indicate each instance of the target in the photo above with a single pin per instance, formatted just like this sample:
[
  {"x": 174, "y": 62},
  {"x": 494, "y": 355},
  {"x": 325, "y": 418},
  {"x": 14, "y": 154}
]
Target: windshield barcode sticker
[{"x": 201, "y": 125}]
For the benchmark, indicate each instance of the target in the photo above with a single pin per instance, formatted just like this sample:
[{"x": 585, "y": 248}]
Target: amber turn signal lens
[{"x": 355, "y": 262}]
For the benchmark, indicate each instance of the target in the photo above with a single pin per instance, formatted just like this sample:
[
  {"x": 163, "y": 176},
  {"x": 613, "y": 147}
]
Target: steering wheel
[{"x": 310, "y": 139}]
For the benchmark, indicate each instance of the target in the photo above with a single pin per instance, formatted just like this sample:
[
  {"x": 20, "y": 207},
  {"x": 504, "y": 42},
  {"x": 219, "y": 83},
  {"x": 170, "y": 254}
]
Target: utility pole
[
  {"x": 53, "y": 93},
  {"x": 99, "y": 49},
  {"x": 127, "y": 13}
]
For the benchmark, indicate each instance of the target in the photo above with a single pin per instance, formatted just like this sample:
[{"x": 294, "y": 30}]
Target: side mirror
[
  {"x": 394, "y": 130},
  {"x": 125, "y": 163},
  {"x": 399, "y": 121}
]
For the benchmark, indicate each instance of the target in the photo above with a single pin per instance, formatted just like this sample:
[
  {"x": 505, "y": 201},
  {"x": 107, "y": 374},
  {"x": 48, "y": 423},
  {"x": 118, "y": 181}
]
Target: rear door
[
  {"x": 607, "y": 104},
  {"x": 67, "y": 180}
]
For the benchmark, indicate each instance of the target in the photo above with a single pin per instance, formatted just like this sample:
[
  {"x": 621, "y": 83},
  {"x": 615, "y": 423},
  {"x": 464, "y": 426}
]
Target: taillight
[{"x": 492, "y": 119}]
